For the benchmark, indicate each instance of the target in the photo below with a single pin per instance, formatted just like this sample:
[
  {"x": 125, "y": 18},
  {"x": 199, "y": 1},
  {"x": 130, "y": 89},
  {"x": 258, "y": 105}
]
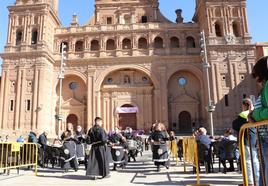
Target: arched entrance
[
  {"x": 127, "y": 117},
  {"x": 184, "y": 101},
  {"x": 74, "y": 103},
  {"x": 72, "y": 118},
  {"x": 130, "y": 88},
  {"x": 185, "y": 122}
]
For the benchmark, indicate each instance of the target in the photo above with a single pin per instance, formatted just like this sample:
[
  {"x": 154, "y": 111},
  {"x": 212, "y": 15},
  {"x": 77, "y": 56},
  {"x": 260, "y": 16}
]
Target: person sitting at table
[
  {"x": 228, "y": 150},
  {"x": 204, "y": 140}
]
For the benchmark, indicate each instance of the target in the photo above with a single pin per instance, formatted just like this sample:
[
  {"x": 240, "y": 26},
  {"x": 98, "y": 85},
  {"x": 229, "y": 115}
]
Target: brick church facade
[{"x": 128, "y": 64}]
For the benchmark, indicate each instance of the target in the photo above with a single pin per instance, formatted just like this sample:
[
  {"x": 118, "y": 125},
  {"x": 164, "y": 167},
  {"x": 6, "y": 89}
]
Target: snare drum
[{"x": 117, "y": 154}]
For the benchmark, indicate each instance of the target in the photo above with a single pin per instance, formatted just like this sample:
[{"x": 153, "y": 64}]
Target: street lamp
[
  {"x": 61, "y": 77},
  {"x": 206, "y": 66}
]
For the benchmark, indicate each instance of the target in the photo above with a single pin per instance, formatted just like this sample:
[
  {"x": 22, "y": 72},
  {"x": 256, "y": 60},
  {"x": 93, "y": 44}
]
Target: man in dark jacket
[
  {"x": 42, "y": 140},
  {"x": 203, "y": 138}
]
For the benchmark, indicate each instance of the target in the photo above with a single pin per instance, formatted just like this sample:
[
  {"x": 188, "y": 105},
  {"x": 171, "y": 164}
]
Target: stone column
[
  {"x": 108, "y": 114},
  {"x": 112, "y": 116},
  {"x": 22, "y": 100},
  {"x": 6, "y": 99},
  {"x": 2, "y": 89},
  {"x": 157, "y": 115},
  {"x": 98, "y": 105},
  {"x": 164, "y": 104},
  {"x": 90, "y": 98},
  {"x": 35, "y": 93},
  {"x": 18, "y": 96}
]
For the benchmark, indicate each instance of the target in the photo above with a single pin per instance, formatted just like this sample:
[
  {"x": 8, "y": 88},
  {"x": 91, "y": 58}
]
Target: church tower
[
  {"x": 230, "y": 53},
  {"x": 27, "y": 69}
]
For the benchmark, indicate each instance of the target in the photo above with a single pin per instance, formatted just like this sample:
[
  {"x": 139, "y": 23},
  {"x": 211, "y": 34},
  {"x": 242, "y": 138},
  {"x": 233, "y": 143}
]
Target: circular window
[
  {"x": 144, "y": 79},
  {"x": 110, "y": 80},
  {"x": 73, "y": 85},
  {"x": 182, "y": 81}
]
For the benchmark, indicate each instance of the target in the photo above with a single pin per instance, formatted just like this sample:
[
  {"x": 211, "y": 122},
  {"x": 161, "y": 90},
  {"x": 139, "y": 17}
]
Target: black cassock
[
  {"x": 98, "y": 163},
  {"x": 160, "y": 150}
]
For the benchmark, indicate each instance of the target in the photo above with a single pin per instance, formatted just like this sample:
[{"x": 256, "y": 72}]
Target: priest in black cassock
[{"x": 98, "y": 162}]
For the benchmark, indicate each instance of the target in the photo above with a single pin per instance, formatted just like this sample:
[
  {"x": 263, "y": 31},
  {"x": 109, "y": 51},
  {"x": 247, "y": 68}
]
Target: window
[
  {"x": 66, "y": 48},
  {"x": 79, "y": 46},
  {"x": 34, "y": 36},
  {"x": 174, "y": 42},
  {"x": 109, "y": 20},
  {"x": 126, "y": 44},
  {"x": 190, "y": 42},
  {"x": 110, "y": 44},
  {"x": 142, "y": 43},
  {"x": 95, "y": 45},
  {"x": 110, "y": 80},
  {"x": 18, "y": 37},
  {"x": 144, "y": 19},
  {"x": 11, "y": 106},
  {"x": 28, "y": 105},
  {"x": 158, "y": 42},
  {"x": 182, "y": 81},
  {"x": 73, "y": 86},
  {"x": 226, "y": 99},
  {"x": 236, "y": 29},
  {"x": 218, "y": 29},
  {"x": 145, "y": 79}
]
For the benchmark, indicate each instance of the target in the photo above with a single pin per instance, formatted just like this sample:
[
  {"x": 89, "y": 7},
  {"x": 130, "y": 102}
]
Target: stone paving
[{"x": 142, "y": 172}]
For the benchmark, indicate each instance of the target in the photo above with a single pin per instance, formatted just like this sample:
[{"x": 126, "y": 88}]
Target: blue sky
[{"x": 257, "y": 11}]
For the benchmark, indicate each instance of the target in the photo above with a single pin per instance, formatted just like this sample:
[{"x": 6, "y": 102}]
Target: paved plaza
[{"x": 142, "y": 172}]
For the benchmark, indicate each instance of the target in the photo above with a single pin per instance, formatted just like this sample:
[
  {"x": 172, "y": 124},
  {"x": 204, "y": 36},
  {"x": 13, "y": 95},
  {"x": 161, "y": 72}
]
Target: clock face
[
  {"x": 182, "y": 81},
  {"x": 229, "y": 38}
]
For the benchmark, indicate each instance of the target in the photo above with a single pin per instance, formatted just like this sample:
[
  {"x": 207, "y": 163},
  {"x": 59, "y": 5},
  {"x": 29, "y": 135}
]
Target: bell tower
[
  {"x": 230, "y": 52},
  {"x": 27, "y": 69},
  {"x": 32, "y": 24}
]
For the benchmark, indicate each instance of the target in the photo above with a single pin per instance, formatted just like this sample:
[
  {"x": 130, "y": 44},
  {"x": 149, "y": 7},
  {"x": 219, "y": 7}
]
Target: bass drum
[
  {"x": 117, "y": 154},
  {"x": 160, "y": 153}
]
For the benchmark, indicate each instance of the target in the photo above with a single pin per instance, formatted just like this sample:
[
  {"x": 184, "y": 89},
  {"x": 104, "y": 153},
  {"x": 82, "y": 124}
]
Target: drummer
[
  {"x": 117, "y": 139},
  {"x": 158, "y": 139},
  {"x": 128, "y": 134}
]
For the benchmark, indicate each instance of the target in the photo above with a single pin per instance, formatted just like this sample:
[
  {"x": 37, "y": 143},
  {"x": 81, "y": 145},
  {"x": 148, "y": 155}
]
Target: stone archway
[
  {"x": 127, "y": 86},
  {"x": 185, "y": 103},
  {"x": 73, "y": 119},
  {"x": 74, "y": 101}
]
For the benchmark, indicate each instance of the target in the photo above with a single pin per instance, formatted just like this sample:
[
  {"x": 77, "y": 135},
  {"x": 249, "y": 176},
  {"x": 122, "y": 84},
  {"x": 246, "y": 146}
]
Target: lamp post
[
  {"x": 206, "y": 66},
  {"x": 61, "y": 77}
]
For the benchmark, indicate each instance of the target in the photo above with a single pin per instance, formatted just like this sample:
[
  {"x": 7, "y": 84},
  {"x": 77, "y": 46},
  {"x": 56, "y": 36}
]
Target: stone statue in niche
[
  {"x": 179, "y": 16},
  {"x": 126, "y": 79}
]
